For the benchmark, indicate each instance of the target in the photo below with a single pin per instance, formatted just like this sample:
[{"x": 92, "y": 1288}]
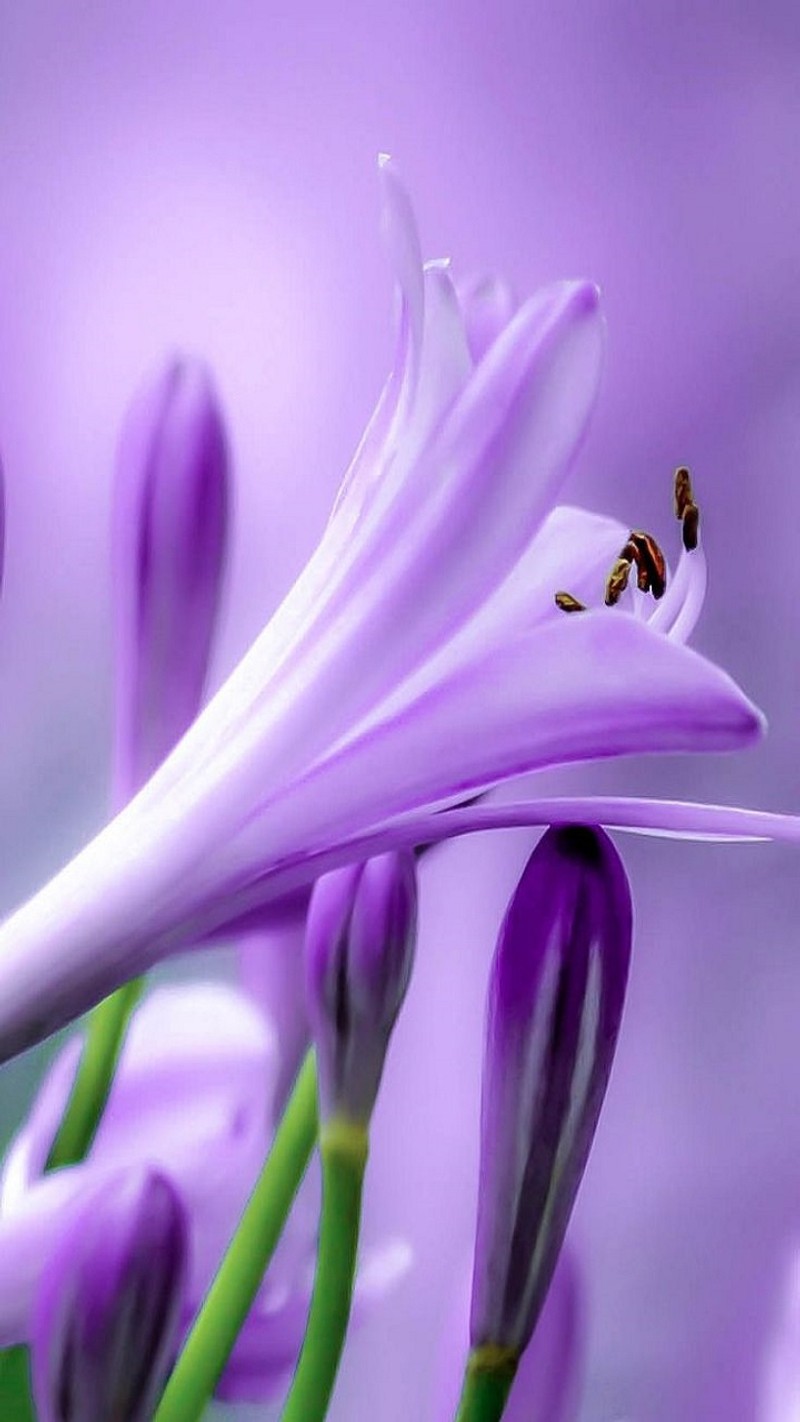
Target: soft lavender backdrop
[{"x": 176, "y": 174}]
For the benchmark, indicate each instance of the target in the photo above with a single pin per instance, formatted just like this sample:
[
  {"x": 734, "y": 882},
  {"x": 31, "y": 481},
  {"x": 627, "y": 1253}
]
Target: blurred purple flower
[
  {"x": 168, "y": 558},
  {"x": 417, "y": 660},
  {"x": 106, "y": 1320},
  {"x": 192, "y": 1100}
]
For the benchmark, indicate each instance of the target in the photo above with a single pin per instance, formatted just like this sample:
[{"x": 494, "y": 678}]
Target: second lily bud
[{"x": 360, "y": 938}]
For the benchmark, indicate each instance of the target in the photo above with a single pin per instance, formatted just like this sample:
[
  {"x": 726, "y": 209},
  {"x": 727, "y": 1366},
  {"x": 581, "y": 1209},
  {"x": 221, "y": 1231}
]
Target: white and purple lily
[{"x": 419, "y": 660}]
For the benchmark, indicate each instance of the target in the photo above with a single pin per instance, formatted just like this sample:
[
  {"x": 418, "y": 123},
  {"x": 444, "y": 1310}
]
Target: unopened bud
[
  {"x": 170, "y": 538},
  {"x": 360, "y": 939},
  {"x": 109, "y": 1304},
  {"x": 556, "y": 992}
]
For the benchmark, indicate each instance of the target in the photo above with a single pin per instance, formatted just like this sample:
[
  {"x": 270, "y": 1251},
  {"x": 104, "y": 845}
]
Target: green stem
[
  {"x": 343, "y": 1150},
  {"x": 15, "y": 1386},
  {"x": 488, "y": 1377},
  {"x": 105, "y": 1033},
  {"x": 239, "y": 1276}
]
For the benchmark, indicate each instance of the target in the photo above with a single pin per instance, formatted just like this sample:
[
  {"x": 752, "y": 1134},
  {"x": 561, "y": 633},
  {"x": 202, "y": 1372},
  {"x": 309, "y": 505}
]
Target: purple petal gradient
[
  {"x": 170, "y": 178},
  {"x": 108, "y": 1310}
]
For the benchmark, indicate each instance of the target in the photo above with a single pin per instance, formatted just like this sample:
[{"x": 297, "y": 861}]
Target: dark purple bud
[
  {"x": 108, "y": 1310},
  {"x": 360, "y": 939},
  {"x": 170, "y": 538},
  {"x": 556, "y": 992}
]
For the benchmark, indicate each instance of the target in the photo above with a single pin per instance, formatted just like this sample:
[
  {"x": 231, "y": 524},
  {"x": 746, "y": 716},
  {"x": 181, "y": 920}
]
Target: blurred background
[{"x": 201, "y": 177}]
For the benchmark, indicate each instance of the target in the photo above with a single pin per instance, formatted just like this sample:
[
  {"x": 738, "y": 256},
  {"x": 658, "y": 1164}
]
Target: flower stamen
[
  {"x": 617, "y": 580},
  {"x": 686, "y": 509},
  {"x": 642, "y": 550},
  {"x": 568, "y": 603}
]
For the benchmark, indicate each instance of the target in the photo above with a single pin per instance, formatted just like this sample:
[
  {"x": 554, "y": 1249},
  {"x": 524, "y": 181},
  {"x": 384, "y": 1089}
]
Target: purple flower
[
  {"x": 418, "y": 660},
  {"x": 170, "y": 536},
  {"x": 555, "y": 1001},
  {"x": 193, "y": 1100},
  {"x": 360, "y": 942},
  {"x": 109, "y": 1305}
]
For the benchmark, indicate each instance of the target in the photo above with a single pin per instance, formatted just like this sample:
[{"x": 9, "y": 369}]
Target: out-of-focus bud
[
  {"x": 360, "y": 938},
  {"x": 169, "y": 546},
  {"x": 108, "y": 1310},
  {"x": 556, "y": 992}
]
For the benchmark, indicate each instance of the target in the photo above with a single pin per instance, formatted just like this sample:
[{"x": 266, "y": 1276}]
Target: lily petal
[
  {"x": 612, "y": 687},
  {"x": 488, "y": 305}
]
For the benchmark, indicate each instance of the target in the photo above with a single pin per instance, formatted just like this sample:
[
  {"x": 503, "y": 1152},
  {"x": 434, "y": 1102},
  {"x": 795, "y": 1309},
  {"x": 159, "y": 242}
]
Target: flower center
[{"x": 643, "y": 552}]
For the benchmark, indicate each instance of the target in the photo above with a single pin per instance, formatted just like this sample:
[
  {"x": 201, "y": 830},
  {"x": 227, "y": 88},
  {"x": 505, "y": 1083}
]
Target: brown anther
[
  {"x": 683, "y": 490},
  {"x": 617, "y": 580},
  {"x": 691, "y": 524},
  {"x": 686, "y": 509},
  {"x": 650, "y": 562},
  {"x": 568, "y": 603}
]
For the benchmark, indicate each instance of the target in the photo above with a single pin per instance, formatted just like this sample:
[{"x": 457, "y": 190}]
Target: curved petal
[
  {"x": 590, "y": 686},
  {"x": 571, "y": 551},
  {"x": 488, "y": 305},
  {"x": 489, "y": 477},
  {"x": 399, "y": 230}
]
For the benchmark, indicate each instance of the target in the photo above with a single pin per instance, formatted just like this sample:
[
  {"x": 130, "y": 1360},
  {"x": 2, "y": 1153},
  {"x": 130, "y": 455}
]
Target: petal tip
[{"x": 585, "y": 296}]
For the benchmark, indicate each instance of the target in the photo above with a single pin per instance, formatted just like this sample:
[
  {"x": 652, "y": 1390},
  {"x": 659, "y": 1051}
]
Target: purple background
[{"x": 201, "y": 176}]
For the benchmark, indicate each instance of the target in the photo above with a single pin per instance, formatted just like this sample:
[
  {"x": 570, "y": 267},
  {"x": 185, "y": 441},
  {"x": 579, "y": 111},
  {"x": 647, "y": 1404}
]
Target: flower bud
[
  {"x": 360, "y": 938},
  {"x": 108, "y": 1309},
  {"x": 170, "y": 532},
  {"x": 556, "y": 992}
]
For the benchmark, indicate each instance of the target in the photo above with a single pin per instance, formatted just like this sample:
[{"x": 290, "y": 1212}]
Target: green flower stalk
[
  {"x": 239, "y": 1276},
  {"x": 359, "y": 951}
]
